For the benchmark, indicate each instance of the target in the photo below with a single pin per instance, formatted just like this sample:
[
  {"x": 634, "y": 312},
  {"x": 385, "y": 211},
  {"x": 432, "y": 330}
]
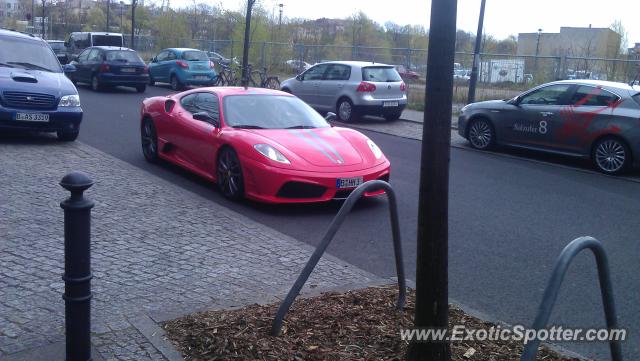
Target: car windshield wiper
[
  {"x": 301, "y": 127},
  {"x": 30, "y": 66},
  {"x": 248, "y": 126}
]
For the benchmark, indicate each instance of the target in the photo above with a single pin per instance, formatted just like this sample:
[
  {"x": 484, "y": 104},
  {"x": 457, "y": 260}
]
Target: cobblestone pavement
[{"x": 157, "y": 250}]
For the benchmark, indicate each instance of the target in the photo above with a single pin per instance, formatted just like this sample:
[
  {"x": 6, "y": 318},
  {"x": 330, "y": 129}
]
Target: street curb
[
  {"x": 156, "y": 336},
  {"x": 50, "y": 352}
]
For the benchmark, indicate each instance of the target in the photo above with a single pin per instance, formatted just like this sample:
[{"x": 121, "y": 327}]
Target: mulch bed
[{"x": 356, "y": 325}]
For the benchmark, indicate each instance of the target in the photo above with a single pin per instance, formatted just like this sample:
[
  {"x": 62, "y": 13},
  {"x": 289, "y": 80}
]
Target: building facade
[{"x": 571, "y": 41}]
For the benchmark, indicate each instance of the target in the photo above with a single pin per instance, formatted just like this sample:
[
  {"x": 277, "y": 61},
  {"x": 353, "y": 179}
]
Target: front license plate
[
  {"x": 32, "y": 117},
  {"x": 348, "y": 182},
  {"x": 128, "y": 70},
  {"x": 201, "y": 77},
  {"x": 389, "y": 104}
]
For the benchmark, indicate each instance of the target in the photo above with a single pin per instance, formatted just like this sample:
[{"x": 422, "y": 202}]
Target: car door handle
[{"x": 546, "y": 114}]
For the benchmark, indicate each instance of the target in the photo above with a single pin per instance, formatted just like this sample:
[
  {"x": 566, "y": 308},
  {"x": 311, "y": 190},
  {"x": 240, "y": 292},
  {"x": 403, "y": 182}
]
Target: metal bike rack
[
  {"x": 551, "y": 293},
  {"x": 328, "y": 237}
]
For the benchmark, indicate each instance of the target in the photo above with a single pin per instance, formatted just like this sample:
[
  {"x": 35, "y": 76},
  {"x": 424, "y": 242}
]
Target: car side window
[
  {"x": 316, "y": 73},
  {"x": 338, "y": 72},
  {"x": 549, "y": 95},
  {"x": 162, "y": 56},
  {"x": 208, "y": 102},
  {"x": 188, "y": 102},
  {"x": 592, "y": 96},
  {"x": 171, "y": 56},
  {"x": 84, "y": 55},
  {"x": 94, "y": 56}
]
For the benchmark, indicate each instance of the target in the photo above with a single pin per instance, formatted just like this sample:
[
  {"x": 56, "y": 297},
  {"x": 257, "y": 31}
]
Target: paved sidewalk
[{"x": 158, "y": 251}]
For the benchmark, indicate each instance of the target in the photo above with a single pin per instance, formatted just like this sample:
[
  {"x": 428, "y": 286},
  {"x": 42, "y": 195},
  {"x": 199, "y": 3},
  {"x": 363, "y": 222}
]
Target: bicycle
[
  {"x": 265, "y": 81},
  {"x": 226, "y": 76}
]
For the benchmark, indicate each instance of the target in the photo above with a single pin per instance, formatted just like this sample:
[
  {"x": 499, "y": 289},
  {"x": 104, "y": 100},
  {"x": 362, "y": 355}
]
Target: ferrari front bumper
[{"x": 278, "y": 185}]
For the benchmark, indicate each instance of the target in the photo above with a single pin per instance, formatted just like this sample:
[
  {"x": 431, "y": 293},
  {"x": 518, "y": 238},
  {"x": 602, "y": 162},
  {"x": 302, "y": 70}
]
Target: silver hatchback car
[{"x": 351, "y": 89}]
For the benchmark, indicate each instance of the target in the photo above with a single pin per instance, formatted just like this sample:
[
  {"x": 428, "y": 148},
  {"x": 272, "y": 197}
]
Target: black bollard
[{"x": 77, "y": 267}]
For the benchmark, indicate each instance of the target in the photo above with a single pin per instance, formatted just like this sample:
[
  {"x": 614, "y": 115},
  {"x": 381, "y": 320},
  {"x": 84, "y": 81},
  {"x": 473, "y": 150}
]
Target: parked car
[
  {"x": 261, "y": 144},
  {"x": 180, "y": 67},
  {"x": 109, "y": 66},
  {"x": 78, "y": 41},
  {"x": 405, "y": 73},
  {"x": 592, "y": 119},
  {"x": 218, "y": 58},
  {"x": 351, "y": 88},
  {"x": 462, "y": 75},
  {"x": 34, "y": 92},
  {"x": 297, "y": 65},
  {"x": 60, "y": 50}
]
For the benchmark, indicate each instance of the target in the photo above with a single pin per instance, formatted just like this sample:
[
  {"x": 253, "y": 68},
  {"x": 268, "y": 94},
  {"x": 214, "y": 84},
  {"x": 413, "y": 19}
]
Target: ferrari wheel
[
  {"x": 229, "y": 173},
  {"x": 149, "y": 141}
]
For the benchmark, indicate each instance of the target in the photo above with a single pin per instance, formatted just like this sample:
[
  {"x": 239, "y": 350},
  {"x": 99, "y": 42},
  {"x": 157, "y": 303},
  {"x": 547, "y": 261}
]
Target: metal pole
[
  {"x": 245, "y": 50},
  {"x": 77, "y": 266},
  {"x": 121, "y": 13},
  {"x": 553, "y": 288},
  {"x": 537, "y": 49},
  {"x": 432, "y": 301},
  {"x": 476, "y": 57},
  {"x": 133, "y": 23},
  {"x": 108, "y": 14}
]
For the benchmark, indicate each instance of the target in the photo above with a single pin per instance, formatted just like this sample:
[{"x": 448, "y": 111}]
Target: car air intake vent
[
  {"x": 24, "y": 79},
  {"x": 28, "y": 100},
  {"x": 301, "y": 190}
]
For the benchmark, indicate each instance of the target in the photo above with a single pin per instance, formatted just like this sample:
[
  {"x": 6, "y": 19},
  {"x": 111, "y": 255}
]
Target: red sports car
[{"x": 262, "y": 144}]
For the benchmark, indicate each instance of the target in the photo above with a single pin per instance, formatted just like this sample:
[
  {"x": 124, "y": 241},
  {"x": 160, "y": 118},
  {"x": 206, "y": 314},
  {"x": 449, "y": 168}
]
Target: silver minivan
[{"x": 351, "y": 89}]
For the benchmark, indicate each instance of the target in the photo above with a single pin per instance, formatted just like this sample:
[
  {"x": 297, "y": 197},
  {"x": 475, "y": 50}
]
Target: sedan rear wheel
[
  {"x": 481, "y": 134},
  {"x": 345, "y": 110},
  {"x": 611, "y": 155},
  {"x": 175, "y": 83},
  {"x": 229, "y": 175},
  {"x": 95, "y": 83}
]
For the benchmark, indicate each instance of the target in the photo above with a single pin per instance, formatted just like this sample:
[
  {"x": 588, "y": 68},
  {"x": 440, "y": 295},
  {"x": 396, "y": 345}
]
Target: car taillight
[
  {"x": 403, "y": 86},
  {"x": 212, "y": 65},
  {"x": 182, "y": 64},
  {"x": 104, "y": 68},
  {"x": 366, "y": 87}
]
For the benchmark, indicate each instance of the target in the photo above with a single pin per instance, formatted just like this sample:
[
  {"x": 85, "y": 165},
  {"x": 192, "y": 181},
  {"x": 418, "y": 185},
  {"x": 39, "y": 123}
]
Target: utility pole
[
  {"x": 121, "y": 13},
  {"x": 476, "y": 57},
  {"x": 281, "y": 5},
  {"x": 432, "y": 292},
  {"x": 245, "y": 50},
  {"x": 44, "y": 7},
  {"x": 108, "y": 6},
  {"x": 133, "y": 23},
  {"x": 537, "y": 50}
]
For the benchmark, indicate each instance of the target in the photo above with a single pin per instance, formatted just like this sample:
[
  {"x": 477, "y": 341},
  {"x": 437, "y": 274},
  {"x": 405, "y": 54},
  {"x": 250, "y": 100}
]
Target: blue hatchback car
[
  {"x": 35, "y": 94},
  {"x": 180, "y": 67}
]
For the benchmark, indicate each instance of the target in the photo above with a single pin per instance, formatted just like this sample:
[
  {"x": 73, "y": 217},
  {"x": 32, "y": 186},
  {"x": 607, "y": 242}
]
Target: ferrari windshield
[{"x": 260, "y": 111}]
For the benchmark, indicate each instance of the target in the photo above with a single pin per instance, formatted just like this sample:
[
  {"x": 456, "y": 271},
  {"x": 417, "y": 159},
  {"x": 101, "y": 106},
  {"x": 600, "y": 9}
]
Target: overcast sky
[{"x": 502, "y": 17}]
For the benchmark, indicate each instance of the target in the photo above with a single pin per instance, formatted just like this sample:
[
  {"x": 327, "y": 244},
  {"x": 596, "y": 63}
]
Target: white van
[{"x": 78, "y": 41}]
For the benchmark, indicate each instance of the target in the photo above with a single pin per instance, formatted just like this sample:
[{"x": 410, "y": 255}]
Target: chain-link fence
[{"x": 500, "y": 75}]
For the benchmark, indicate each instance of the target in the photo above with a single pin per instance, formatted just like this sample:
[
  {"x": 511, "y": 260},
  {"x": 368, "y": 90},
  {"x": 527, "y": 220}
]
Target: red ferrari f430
[{"x": 261, "y": 144}]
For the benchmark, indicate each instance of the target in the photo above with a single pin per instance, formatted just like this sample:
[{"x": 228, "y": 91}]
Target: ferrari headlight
[
  {"x": 69, "y": 101},
  {"x": 374, "y": 149},
  {"x": 271, "y": 153}
]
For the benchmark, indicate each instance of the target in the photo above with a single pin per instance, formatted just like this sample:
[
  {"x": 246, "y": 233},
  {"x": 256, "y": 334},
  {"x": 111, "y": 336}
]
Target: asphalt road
[{"x": 509, "y": 219}]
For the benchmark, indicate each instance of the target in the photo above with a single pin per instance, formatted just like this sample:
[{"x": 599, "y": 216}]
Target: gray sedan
[{"x": 592, "y": 119}]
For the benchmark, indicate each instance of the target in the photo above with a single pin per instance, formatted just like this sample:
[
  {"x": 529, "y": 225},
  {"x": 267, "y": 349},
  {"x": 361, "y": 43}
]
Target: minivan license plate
[
  {"x": 32, "y": 117},
  {"x": 348, "y": 182},
  {"x": 389, "y": 104}
]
